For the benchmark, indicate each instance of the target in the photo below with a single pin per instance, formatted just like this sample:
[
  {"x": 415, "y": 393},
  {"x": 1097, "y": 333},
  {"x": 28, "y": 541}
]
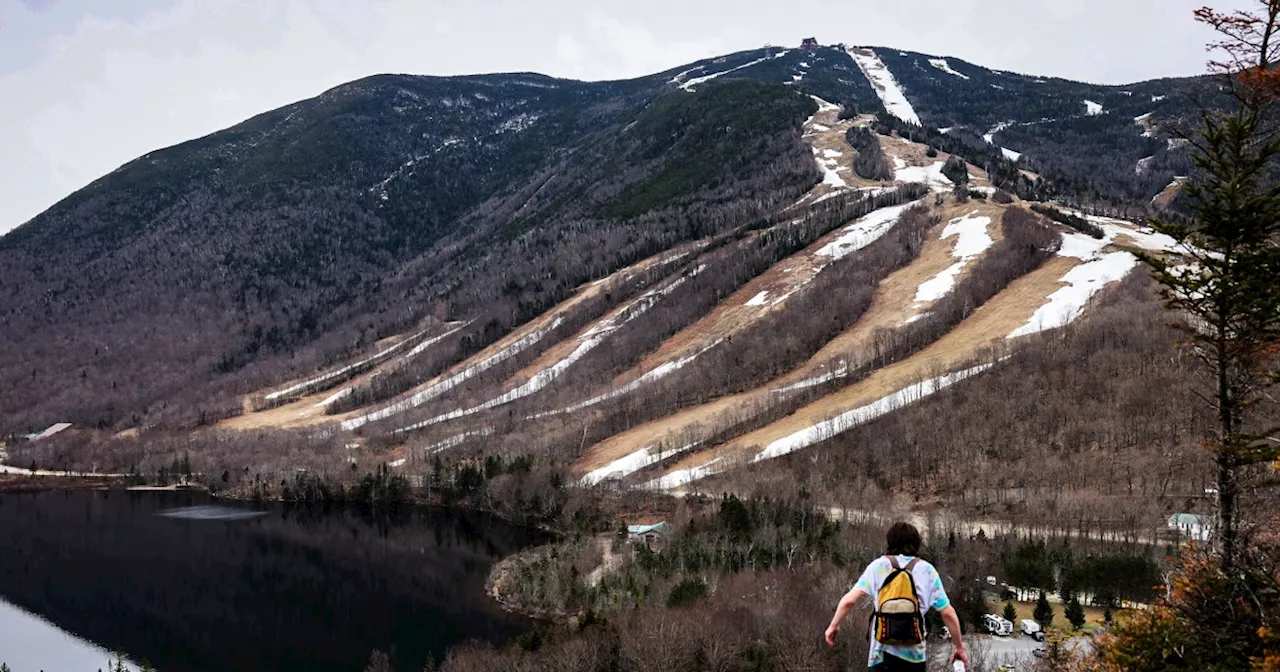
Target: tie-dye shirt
[{"x": 928, "y": 590}]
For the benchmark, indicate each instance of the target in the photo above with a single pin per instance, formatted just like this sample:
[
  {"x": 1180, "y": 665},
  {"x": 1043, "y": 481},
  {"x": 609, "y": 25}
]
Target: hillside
[{"x": 660, "y": 282}]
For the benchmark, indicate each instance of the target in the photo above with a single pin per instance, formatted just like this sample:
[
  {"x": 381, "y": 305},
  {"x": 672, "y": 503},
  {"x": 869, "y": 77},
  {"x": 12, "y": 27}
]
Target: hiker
[{"x": 904, "y": 587}]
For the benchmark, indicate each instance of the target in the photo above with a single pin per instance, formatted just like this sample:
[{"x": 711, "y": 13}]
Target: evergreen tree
[
  {"x": 1010, "y": 613},
  {"x": 1044, "y": 611},
  {"x": 1075, "y": 613},
  {"x": 1225, "y": 285},
  {"x": 1107, "y": 616}
]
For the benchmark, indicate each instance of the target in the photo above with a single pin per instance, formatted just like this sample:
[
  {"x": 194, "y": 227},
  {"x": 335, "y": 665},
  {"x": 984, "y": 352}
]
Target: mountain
[{"x": 443, "y": 244}]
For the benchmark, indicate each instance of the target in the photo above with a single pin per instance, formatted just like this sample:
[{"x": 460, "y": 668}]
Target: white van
[{"x": 1032, "y": 629}]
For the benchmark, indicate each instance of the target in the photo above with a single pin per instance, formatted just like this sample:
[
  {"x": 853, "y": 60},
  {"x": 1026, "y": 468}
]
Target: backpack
[{"x": 897, "y": 620}]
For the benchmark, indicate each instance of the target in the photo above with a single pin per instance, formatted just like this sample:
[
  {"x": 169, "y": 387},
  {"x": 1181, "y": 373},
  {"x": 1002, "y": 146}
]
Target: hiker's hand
[
  {"x": 832, "y": 631},
  {"x": 960, "y": 655}
]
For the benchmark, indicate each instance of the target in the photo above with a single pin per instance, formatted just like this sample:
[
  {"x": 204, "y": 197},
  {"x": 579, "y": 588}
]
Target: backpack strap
[
  {"x": 893, "y": 561},
  {"x": 910, "y": 565}
]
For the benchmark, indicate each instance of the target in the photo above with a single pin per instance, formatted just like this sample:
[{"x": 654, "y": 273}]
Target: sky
[{"x": 88, "y": 85}]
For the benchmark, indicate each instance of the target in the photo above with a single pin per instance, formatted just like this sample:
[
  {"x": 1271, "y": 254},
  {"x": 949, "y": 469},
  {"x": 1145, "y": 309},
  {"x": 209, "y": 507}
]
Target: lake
[{"x": 194, "y": 585}]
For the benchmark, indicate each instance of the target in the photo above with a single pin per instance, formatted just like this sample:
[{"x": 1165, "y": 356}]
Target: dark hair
[{"x": 903, "y": 539}]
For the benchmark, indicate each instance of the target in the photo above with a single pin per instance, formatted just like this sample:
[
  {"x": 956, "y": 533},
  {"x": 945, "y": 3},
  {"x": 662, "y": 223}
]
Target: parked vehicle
[
  {"x": 997, "y": 625},
  {"x": 1032, "y": 629}
]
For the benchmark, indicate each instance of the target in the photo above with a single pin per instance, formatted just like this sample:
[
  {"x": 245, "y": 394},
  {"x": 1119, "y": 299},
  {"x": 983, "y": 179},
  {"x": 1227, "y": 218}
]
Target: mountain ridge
[{"x": 320, "y": 214}]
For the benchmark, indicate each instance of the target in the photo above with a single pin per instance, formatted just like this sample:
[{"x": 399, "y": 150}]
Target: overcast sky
[{"x": 87, "y": 85}]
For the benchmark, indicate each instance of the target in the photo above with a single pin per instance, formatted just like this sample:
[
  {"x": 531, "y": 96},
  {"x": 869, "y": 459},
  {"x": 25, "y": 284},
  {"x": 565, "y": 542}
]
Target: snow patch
[
  {"x": 943, "y": 65},
  {"x": 815, "y": 381},
  {"x": 863, "y": 232},
  {"x": 863, "y": 414},
  {"x": 683, "y": 477},
  {"x": 972, "y": 239},
  {"x": 1149, "y": 129},
  {"x": 344, "y": 392},
  {"x": 930, "y": 175},
  {"x": 436, "y": 389},
  {"x": 1156, "y": 99},
  {"x": 1092, "y": 109},
  {"x": 758, "y": 299},
  {"x": 689, "y": 85},
  {"x": 1083, "y": 281},
  {"x": 657, "y": 373},
  {"x": 586, "y": 343},
  {"x": 886, "y": 87},
  {"x": 680, "y": 76},
  {"x": 630, "y": 464},
  {"x": 344, "y": 370},
  {"x": 455, "y": 440},
  {"x": 1010, "y": 154},
  {"x": 1142, "y": 165}
]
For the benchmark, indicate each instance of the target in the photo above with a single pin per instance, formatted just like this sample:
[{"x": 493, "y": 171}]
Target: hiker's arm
[
  {"x": 846, "y": 604},
  {"x": 953, "y": 626}
]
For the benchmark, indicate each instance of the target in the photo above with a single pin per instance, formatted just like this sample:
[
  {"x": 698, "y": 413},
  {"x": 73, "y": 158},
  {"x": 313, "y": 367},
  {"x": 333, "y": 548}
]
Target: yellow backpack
[{"x": 897, "y": 620}]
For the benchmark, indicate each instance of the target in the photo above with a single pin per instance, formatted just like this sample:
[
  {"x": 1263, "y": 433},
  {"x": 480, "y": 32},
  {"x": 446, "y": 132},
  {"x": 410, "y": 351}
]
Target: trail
[{"x": 892, "y": 305}]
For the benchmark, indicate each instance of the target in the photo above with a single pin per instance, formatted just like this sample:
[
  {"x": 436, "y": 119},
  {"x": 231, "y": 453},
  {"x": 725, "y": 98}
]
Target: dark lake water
[{"x": 194, "y": 586}]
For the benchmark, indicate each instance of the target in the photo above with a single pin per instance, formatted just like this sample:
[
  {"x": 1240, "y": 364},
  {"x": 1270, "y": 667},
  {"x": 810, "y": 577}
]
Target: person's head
[{"x": 903, "y": 539}]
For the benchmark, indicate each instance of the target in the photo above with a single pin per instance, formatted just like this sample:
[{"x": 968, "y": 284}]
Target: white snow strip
[
  {"x": 824, "y": 106},
  {"x": 943, "y": 65},
  {"x": 820, "y": 128},
  {"x": 863, "y": 232},
  {"x": 758, "y": 299},
  {"x": 831, "y": 154},
  {"x": 436, "y": 389},
  {"x": 688, "y": 86},
  {"x": 1149, "y": 129},
  {"x": 683, "y": 477},
  {"x": 1156, "y": 99},
  {"x": 990, "y": 136},
  {"x": 814, "y": 381},
  {"x": 397, "y": 463},
  {"x": 421, "y": 347},
  {"x": 657, "y": 373},
  {"x": 1080, "y": 246},
  {"x": 1010, "y": 154},
  {"x": 630, "y": 464},
  {"x": 972, "y": 240},
  {"x": 895, "y": 101},
  {"x": 455, "y": 440},
  {"x": 680, "y": 76},
  {"x": 863, "y": 414},
  {"x": 346, "y": 391},
  {"x": 1085, "y": 280},
  {"x": 340, "y": 372},
  {"x": 1092, "y": 109},
  {"x": 1142, "y": 164},
  {"x": 586, "y": 343},
  {"x": 830, "y": 172}
]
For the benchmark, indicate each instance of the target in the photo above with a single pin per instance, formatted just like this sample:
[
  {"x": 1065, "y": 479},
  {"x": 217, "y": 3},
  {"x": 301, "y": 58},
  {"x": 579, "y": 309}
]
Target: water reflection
[
  {"x": 285, "y": 589},
  {"x": 29, "y": 643},
  {"x": 207, "y": 512}
]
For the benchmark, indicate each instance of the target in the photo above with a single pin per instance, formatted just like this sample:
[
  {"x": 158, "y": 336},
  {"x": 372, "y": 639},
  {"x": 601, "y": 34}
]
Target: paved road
[{"x": 1016, "y": 651}]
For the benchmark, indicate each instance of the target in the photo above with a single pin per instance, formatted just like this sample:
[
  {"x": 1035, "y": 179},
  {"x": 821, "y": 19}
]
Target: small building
[
  {"x": 1191, "y": 526},
  {"x": 650, "y": 534},
  {"x": 809, "y": 44}
]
